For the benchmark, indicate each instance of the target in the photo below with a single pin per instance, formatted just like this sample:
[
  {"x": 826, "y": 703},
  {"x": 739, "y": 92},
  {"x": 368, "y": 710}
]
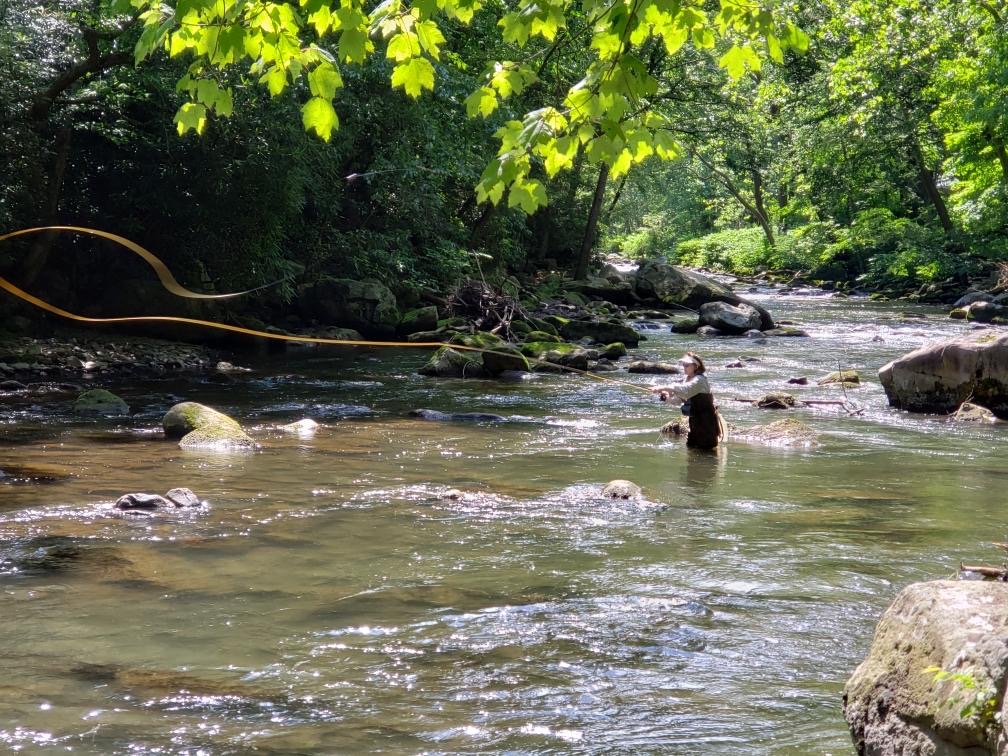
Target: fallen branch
[{"x": 999, "y": 573}]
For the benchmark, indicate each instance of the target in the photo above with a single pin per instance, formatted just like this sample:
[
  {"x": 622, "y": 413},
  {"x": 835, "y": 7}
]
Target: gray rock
[
  {"x": 12, "y": 386},
  {"x": 985, "y": 312},
  {"x": 785, "y": 332},
  {"x": 658, "y": 368},
  {"x": 940, "y": 376},
  {"x": 675, "y": 286},
  {"x": 708, "y": 331},
  {"x": 905, "y": 698},
  {"x": 847, "y": 377},
  {"x": 730, "y": 319},
  {"x": 183, "y": 497},
  {"x": 973, "y": 413},
  {"x": 141, "y": 501},
  {"x": 599, "y": 331},
  {"x": 787, "y": 433},
  {"x": 973, "y": 296}
]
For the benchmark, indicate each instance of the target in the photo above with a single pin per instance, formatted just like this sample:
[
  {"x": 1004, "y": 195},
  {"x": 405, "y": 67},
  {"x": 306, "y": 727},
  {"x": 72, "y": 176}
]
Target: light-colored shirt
[{"x": 688, "y": 389}]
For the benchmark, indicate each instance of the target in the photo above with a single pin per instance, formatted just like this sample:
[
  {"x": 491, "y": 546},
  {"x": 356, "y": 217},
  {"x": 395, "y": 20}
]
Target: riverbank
[{"x": 78, "y": 355}]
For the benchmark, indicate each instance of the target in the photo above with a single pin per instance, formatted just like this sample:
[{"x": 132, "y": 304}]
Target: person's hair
[{"x": 700, "y": 367}]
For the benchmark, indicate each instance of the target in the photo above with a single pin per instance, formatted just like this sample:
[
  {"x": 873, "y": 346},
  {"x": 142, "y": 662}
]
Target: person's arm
[{"x": 688, "y": 389}]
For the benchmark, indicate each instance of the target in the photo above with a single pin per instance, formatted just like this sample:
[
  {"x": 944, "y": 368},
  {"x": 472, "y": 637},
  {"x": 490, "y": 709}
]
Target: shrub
[{"x": 741, "y": 250}]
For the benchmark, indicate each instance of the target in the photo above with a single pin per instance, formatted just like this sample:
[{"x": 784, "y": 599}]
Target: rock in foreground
[
  {"x": 940, "y": 376},
  {"x": 932, "y": 681}
]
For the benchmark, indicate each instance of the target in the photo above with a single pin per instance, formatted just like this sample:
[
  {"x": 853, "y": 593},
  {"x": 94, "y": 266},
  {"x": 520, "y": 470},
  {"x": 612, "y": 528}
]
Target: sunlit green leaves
[
  {"x": 607, "y": 114},
  {"x": 192, "y": 116},
  {"x": 319, "y": 116},
  {"x": 414, "y": 76}
]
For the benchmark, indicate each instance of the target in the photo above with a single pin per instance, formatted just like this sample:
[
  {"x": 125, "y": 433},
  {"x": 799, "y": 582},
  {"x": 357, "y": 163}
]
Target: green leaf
[
  {"x": 431, "y": 38},
  {"x": 403, "y": 46},
  {"x": 774, "y": 49},
  {"x": 324, "y": 80},
  {"x": 275, "y": 79},
  {"x": 528, "y": 194},
  {"x": 206, "y": 91},
  {"x": 319, "y": 116},
  {"x": 192, "y": 116},
  {"x": 414, "y": 76},
  {"x": 353, "y": 44},
  {"x": 733, "y": 62},
  {"x": 515, "y": 30},
  {"x": 225, "y": 103},
  {"x": 481, "y": 102}
]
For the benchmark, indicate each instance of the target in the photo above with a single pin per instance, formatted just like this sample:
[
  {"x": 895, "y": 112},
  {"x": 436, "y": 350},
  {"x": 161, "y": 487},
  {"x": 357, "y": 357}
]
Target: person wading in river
[{"x": 697, "y": 403}]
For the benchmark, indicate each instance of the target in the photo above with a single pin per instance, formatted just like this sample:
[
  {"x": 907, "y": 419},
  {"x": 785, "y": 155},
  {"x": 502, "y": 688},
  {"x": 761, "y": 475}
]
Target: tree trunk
[
  {"x": 590, "y": 228},
  {"x": 929, "y": 186},
  {"x": 1002, "y": 156},
  {"x": 39, "y": 252},
  {"x": 759, "y": 204}
]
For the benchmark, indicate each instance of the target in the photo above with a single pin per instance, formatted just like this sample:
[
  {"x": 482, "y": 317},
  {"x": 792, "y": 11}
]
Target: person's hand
[{"x": 663, "y": 394}]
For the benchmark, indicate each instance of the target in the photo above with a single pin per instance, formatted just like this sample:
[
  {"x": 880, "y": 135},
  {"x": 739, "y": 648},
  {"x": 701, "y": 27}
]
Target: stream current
[{"x": 330, "y": 600}]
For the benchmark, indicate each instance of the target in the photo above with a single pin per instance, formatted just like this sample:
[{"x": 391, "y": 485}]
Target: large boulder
[
  {"x": 598, "y": 330},
  {"x": 611, "y": 285},
  {"x": 729, "y": 318},
  {"x": 678, "y": 287},
  {"x": 368, "y": 306},
  {"x": 200, "y": 427},
  {"x": 933, "y": 678},
  {"x": 497, "y": 355},
  {"x": 940, "y": 376}
]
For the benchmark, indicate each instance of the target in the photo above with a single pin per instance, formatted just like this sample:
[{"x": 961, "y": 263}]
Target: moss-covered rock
[
  {"x": 934, "y": 677},
  {"x": 846, "y": 377},
  {"x": 505, "y": 358},
  {"x": 548, "y": 356},
  {"x": 451, "y": 363},
  {"x": 419, "y": 319},
  {"x": 200, "y": 427},
  {"x": 100, "y": 402},
  {"x": 542, "y": 336},
  {"x": 776, "y": 400},
  {"x": 600, "y": 331},
  {"x": 613, "y": 351}
]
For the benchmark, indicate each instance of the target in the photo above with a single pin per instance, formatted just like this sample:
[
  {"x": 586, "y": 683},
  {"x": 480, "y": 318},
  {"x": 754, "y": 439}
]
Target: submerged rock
[
  {"x": 933, "y": 678},
  {"x": 200, "y": 427},
  {"x": 847, "y": 377},
  {"x": 100, "y": 402},
  {"x": 457, "y": 417},
  {"x": 304, "y": 426},
  {"x": 621, "y": 489},
  {"x": 973, "y": 413},
  {"x": 940, "y": 376},
  {"x": 778, "y": 400},
  {"x": 176, "y": 498},
  {"x": 788, "y": 432}
]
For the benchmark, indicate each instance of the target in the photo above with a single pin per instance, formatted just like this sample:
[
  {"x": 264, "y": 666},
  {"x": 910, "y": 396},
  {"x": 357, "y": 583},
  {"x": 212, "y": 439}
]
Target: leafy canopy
[{"x": 609, "y": 114}]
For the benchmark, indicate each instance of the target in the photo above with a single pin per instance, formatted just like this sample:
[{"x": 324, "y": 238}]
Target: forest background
[{"x": 858, "y": 144}]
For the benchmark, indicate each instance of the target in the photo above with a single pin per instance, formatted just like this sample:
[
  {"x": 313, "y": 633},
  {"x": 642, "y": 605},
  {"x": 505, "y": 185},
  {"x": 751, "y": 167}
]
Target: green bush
[{"x": 741, "y": 250}]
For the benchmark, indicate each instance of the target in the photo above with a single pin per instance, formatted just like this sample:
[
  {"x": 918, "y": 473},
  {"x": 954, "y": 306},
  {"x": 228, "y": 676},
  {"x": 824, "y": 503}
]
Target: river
[{"x": 330, "y": 600}]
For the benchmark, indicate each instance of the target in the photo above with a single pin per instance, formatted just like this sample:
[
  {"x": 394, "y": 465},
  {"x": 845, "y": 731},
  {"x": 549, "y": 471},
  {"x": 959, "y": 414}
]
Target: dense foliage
[{"x": 247, "y": 141}]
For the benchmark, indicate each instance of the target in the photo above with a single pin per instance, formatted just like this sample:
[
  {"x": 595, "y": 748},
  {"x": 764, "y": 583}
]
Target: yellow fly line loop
[{"x": 172, "y": 285}]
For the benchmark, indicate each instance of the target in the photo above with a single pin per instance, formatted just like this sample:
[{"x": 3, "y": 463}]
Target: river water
[{"x": 330, "y": 600}]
